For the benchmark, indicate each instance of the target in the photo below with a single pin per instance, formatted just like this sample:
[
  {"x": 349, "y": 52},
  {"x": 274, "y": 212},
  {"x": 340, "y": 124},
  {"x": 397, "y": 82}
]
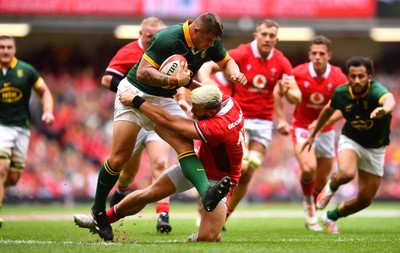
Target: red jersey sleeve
[{"x": 125, "y": 59}]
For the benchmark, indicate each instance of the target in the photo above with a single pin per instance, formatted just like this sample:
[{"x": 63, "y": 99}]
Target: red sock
[
  {"x": 112, "y": 215},
  {"x": 122, "y": 190},
  {"x": 307, "y": 187},
  {"x": 315, "y": 193},
  {"x": 162, "y": 207}
]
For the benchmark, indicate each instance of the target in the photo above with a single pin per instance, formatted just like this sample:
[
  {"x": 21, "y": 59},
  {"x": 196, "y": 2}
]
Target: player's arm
[
  {"x": 282, "y": 124},
  {"x": 147, "y": 73},
  {"x": 205, "y": 72},
  {"x": 110, "y": 81},
  {"x": 47, "y": 102},
  {"x": 159, "y": 116},
  {"x": 388, "y": 104},
  {"x": 323, "y": 117},
  {"x": 232, "y": 72},
  {"x": 287, "y": 87}
]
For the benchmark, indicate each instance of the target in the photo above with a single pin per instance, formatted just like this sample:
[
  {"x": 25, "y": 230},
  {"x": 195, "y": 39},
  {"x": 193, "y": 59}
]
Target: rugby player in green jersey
[
  {"x": 366, "y": 105},
  {"x": 17, "y": 80},
  {"x": 198, "y": 41}
]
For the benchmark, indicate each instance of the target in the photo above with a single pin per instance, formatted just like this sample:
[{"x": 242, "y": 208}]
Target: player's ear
[{"x": 211, "y": 113}]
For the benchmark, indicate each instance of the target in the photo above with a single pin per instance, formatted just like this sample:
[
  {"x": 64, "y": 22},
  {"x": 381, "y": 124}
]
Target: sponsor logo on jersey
[
  {"x": 10, "y": 94},
  {"x": 259, "y": 81},
  {"x": 237, "y": 122},
  {"x": 317, "y": 98},
  {"x": 362, "y": 125},
  {"x": 20, "y": 73}
]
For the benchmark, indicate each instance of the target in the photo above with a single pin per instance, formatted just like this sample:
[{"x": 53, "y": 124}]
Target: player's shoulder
[
  {"x": 279, "y": 54},
  {"x": 342, "y": 88},
  {"x": 338, "y": 75},
  {"x": 301, "y": 70},
  {"x": 21, "y": 64},
  {"x": 130, "y": 47},
  {"x": 337, "y": 70}
]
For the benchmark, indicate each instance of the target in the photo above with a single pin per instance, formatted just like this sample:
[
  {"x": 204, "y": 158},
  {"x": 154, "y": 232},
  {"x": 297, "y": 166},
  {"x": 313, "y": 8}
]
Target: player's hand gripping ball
[{"x": 172, "y": 64}]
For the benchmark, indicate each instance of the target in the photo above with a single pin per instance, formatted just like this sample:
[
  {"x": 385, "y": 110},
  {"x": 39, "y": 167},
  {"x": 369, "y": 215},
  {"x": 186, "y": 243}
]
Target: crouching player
[{"x": 219, "y": 126}]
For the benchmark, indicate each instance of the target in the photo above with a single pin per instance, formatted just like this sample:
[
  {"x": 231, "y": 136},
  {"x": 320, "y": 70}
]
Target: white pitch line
[
  {"x": 389, "y": 213},
  {"x": 33, "y": 242},
  {"x": 333, "y": 239}
]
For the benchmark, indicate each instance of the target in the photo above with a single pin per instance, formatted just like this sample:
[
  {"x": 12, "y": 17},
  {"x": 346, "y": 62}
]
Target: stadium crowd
[{"x": 63, "y": 159}]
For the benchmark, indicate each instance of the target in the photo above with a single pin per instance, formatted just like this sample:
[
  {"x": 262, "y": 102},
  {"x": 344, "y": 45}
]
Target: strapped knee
[
  {"x": 255, "y": 159},
  {"x": 17, "y": 164}
]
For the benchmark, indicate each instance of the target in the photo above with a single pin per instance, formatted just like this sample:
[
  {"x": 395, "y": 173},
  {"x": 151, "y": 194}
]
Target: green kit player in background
[
  {"x": 17, "y": 80},
  {"x": 366, "y": 106}
]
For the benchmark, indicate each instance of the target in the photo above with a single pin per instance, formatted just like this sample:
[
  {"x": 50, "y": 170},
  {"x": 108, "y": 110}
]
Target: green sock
[
  {"x": 194, "y": 171},
  {"x": 105, "y": 182},
  {"x": 334, "y": 214}
]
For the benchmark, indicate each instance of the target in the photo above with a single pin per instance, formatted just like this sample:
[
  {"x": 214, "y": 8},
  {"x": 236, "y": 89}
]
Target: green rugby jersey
[
  {"x": 15, "y": 92},
  {"x": 369, "y": 133},
  {"x": 175, "y": 39}
]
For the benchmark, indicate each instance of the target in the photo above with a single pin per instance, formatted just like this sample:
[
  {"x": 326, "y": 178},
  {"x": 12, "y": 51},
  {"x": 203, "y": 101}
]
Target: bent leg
[
  {"x": 211, "y": 224},
  {"x": 368, "y": 185},
  {"x": 137, "y": 200},
  {"x": 190, "y": 163}
]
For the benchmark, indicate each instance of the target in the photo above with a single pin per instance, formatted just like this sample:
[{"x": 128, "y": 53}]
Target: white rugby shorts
[
  {"x": 324, "y": 143},
  {"x": 131, "y": 114},
  {"x": 371, "y": 160}
]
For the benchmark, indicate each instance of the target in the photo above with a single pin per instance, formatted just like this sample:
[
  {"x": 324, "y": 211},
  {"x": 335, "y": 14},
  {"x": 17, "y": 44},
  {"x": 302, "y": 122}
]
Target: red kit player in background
[{"x": 317, "y": 79}]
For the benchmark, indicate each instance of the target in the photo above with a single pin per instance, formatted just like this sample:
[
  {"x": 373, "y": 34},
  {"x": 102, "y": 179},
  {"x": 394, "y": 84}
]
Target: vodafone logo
[
  {"x": 259, "y": 81},
  {"x": 317, "y": 98}
]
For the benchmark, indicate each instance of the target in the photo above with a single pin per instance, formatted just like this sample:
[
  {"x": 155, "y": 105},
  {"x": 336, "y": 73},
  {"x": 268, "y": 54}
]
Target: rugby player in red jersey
[
  {"x": 316, "y": 79},
  {"x": 219, "y": 126}
]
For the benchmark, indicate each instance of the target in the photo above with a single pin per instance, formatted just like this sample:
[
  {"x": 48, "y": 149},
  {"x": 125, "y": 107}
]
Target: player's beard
[{"x": 361, "y": 92}]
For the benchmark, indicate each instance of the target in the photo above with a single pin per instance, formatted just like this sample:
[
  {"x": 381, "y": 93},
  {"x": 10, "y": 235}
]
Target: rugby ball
[{"x": 171, "y": 65}]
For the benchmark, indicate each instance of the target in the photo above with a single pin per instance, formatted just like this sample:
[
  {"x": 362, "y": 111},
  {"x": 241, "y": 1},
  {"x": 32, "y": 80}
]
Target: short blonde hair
[
  {"x": 152, "y": 21},
  {"x": 207, "y": 96}
]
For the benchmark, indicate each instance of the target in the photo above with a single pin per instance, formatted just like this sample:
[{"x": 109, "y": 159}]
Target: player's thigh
[
  {"x": 306, "y": 158},
  {"x": 124, "y": 138}
]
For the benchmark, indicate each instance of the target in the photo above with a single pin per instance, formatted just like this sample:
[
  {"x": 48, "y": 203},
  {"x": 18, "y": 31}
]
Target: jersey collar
[
  {"x": 13, "y": 63},
  {"x": 314, "y": 74},
  {"x": 226, "y": 106},
  {"x": 257, "y": 53},
  {"x": 186, "y": 33},
  {"x": 140, "y": 43}
]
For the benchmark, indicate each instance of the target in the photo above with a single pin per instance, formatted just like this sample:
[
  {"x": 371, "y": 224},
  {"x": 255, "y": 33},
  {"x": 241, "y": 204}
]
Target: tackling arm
[{"x": 159, "y": 116}]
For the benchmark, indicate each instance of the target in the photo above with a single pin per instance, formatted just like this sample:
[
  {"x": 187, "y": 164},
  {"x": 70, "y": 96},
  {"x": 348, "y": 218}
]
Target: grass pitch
[{"x": 253, "y": 228}]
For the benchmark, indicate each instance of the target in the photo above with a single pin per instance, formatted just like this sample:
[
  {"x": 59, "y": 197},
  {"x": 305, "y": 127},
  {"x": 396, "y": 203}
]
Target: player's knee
[
  {"x": 364, "y": 201},
  {"x": 17, "y": 165},
  {"x": 346, "y": 176},
  {"x": 255, "y": 159},
  {"x": 117, "y": 162},
  {"x": 212, "y": 235},
  {"x": 159, "y": 164}
]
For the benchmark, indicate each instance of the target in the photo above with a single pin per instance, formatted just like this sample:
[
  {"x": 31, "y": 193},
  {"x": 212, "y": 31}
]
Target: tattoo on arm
[{"x": 155, "y": 78}]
